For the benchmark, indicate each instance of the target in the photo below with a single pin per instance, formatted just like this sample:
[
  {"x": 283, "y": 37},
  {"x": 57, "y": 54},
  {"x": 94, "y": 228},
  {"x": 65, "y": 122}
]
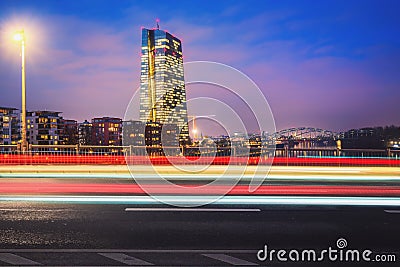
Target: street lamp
[
  {"x": 19, "y": 36},
  {"x": 194, "y": 128}
]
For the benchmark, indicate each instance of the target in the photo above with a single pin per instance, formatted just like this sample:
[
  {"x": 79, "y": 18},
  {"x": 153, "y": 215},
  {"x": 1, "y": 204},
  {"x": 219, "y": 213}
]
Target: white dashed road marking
[
  {"x": 393, "y": 211},
  {"x": 16, "y": 260},
  {"x": 126, "y": 259},
  {"x": 193, "y": 209},
  {"x": 230, "y": 259}
]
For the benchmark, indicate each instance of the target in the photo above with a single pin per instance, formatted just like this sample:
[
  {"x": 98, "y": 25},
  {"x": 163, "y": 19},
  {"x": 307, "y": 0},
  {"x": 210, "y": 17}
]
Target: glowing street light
[
  {"x": 19, "y": 36},
  {"x": 194, "y": 128}
]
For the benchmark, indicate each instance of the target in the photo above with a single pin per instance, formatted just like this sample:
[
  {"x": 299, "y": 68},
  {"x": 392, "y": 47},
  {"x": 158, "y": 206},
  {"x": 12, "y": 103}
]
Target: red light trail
[
  {"x": 6, "y": 159},
  {"x": 100, "y": 188}
]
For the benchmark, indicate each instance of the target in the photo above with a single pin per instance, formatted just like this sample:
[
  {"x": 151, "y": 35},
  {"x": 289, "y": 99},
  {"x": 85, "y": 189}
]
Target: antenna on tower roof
[{"x": 158, "y": 26}]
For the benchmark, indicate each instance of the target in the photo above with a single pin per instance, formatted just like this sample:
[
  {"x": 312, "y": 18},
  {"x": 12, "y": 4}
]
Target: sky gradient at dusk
[{"x": 329, "y": 64}]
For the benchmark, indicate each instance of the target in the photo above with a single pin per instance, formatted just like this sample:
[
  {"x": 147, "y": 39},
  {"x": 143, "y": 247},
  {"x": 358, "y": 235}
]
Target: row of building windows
[{"x": 49, "y": 128}]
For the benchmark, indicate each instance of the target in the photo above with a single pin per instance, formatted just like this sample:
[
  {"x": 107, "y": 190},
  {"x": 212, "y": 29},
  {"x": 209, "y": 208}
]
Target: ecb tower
[{"x": 162, "y": 84}]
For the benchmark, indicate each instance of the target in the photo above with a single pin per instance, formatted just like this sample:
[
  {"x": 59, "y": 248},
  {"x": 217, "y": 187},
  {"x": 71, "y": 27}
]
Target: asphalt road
[
  {"x": 91, "y": 216},
  {"x": 46, "y": 234}
]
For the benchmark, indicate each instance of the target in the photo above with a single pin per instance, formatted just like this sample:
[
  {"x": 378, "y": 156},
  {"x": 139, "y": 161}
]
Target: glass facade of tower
[{"x": 162, "y": 85}]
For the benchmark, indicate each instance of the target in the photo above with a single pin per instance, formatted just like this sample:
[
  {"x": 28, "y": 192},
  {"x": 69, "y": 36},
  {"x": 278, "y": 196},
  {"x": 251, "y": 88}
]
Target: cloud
[
  {"x": 88, "y": 75},
  {"x": 91, "y": 67}
]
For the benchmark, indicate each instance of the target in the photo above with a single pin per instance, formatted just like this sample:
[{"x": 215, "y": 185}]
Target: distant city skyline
[{"x": 332, "y": 65}]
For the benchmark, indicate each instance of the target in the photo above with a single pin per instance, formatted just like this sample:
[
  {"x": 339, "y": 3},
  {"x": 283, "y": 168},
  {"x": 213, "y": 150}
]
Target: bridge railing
[{"x": 71, "y": 154}]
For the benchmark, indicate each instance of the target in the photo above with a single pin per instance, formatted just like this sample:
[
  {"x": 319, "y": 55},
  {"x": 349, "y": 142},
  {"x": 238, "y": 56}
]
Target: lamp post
[
  {"x": 195, "y": 130},
  {"x": 19, "y": 36}
]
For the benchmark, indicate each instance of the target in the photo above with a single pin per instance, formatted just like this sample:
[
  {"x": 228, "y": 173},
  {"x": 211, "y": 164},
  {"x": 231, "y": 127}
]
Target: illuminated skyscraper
[{"x": 162, "y": 85}]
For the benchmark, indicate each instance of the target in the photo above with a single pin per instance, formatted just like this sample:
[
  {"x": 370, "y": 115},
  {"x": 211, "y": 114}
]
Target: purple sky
[{"x": 333, "y": 65}]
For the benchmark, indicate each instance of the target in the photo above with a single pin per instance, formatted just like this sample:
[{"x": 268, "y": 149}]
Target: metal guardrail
[
  {"x": 71, "y": 154},
  {"x": 195, "y": 151}
]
